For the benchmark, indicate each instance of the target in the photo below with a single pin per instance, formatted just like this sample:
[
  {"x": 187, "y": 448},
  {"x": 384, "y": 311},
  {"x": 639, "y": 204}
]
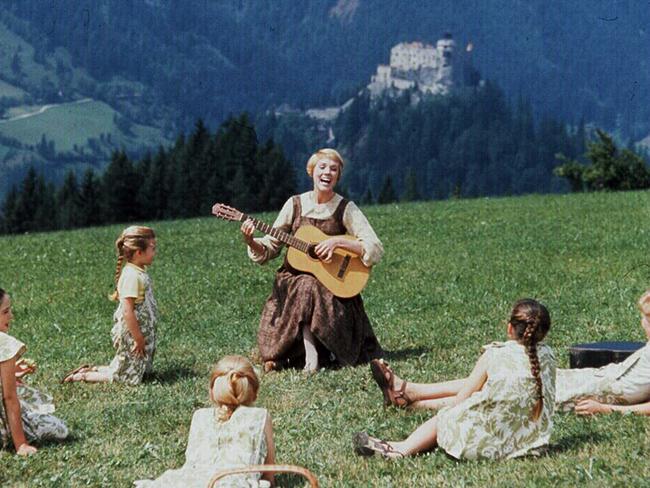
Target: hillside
[
  {"x": 450, "y": 273},
  {"x": 573, "y": 60},
  {"x": 55, "y": 116}
]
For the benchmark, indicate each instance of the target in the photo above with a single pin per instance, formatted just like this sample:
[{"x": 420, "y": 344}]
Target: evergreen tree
[
  {"x": 69, "y": 203},
  {"x": 9, "y": 206},
  {"x": 120, "y": 188},
  {"x": 90, "y": 199},
  {"x": 411, "y": 192},
  {"x": 367, "y": 198},
  {"x": 387, "y": 193}
]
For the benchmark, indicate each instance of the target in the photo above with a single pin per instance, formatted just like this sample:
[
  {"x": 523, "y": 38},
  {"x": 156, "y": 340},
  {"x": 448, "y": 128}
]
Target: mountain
[{"x": 165, "y": 63}]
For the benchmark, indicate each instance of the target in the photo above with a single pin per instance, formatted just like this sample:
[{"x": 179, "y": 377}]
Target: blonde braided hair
[
  {"x": 531, "y": 322},
  {"x": 131, "y": 239},
  {"x": 233, "y": 383}
]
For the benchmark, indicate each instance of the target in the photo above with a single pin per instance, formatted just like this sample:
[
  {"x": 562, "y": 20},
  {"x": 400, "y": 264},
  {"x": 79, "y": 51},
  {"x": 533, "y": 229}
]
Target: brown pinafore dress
[{"x": 340, "y": 324}]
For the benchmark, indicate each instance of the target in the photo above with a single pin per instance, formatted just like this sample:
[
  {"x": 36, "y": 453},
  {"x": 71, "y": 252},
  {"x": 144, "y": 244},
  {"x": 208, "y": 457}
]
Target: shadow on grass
[
  {"x": 574, "y": 441},
  {"x": 407, "y": 352},
  {"x": 170, "y": 375},
  {"x": 290, "y": 481}
]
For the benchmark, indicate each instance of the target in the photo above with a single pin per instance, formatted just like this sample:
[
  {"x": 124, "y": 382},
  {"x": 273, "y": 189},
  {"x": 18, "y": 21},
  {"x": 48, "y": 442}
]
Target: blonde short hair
[
  {"x": 233, "y": 383},
  {"x": 325, "y": 153}
]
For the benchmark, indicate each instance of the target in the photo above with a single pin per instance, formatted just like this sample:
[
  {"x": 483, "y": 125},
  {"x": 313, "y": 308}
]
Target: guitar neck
[{"x": 282, "y": 236}]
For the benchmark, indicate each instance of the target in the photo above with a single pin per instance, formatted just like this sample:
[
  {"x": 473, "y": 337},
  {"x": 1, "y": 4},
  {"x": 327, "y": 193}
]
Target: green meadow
[
  {"x": 450, "y": 274},
  {"x": 72, "y": 124}
]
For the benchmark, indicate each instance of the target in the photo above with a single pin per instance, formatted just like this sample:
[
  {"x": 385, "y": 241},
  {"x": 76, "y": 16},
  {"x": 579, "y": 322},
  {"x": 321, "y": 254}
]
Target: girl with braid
[
  {"x": 134, "y": 321},
  {"x": 503, "y": 409}
]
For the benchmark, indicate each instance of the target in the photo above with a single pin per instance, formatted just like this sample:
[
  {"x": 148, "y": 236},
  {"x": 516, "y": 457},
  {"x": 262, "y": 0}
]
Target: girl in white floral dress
[
  {"x": 616, "y": 387},
  {"x": 231, "y": 434},
  {"x": 134, "y": 321},
  {"x": 503, "y": 409},
  {"x": 25, "y": 412}
]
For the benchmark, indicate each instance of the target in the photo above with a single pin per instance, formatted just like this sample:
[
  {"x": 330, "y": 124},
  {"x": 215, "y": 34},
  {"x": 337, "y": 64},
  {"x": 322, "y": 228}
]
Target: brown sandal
[
  {"x": 365, "y": 445},
  {"x": 397, "y": 398},
  {"x": 69, "y": 377}
]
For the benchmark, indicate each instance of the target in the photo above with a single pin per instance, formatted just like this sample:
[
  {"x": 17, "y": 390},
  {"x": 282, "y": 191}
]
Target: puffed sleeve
[
  {"x": 357, "y": 224},
  {"x": 10, "y": 347},
  {"x": 129, "y": 286},
  {"x": 272, "y": 246}
]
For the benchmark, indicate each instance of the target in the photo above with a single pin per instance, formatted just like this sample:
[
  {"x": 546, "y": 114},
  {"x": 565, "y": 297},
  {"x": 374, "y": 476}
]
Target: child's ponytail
[
  {"x": 233, "y": 383},
  {"x": 532, "y": 322}
]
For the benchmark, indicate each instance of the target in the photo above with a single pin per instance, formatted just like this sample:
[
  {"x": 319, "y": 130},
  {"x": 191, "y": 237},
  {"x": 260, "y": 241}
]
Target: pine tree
[
  {"x": 411, "y": 192},
  {"x": 90, "y": 199},
  {"x": 69, "y": 203},
  {"x": 387, "y": 193},
  {"x": 120, "y": 188},
  {"x": 9, "y": 219}
]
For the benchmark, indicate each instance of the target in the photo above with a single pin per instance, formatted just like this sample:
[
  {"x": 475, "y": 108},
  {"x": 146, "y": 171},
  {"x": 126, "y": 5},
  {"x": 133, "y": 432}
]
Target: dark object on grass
[{"x": 597, "y": 354}]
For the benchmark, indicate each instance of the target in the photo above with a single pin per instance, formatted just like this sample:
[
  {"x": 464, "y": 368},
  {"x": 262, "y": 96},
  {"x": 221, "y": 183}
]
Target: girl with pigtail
[
  {"x": 503, "y": 409},
  {"x": 134, "y": 320},
  {"x": 231, "y": 434}
]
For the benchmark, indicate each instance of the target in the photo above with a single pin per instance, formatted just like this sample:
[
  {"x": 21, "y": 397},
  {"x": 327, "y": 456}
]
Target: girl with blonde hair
[
  {"x": 134, "y": 320},
  {"x": 25, "y": 412},
  {"x": 233, "y": 433},
  {"x": 302, "y": 322}
]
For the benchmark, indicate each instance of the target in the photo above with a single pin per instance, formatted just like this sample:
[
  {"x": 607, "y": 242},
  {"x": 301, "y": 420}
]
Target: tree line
[{"x": 180, "y": 181}]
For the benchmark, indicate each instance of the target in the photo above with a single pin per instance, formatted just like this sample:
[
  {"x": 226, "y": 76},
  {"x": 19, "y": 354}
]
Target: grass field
[
  {"x": 71, "y": 124},
  {"x": 450, "y": 274},
  {"x": 10, "y": 91}
]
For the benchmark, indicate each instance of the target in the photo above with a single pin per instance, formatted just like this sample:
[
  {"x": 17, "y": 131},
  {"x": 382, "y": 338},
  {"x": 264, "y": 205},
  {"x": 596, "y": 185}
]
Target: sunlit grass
[{"x": 450, "y": 274}]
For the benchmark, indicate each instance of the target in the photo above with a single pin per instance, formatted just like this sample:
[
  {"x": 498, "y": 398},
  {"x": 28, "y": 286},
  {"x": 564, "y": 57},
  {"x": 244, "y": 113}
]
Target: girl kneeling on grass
[
  {"x": 232, "y": 434},
  {"x": 616, "y": 387},
  {"x": 134, "y": 321},
  {"x": 25, "y": 412},
  {"x": 503, "y": 409}
]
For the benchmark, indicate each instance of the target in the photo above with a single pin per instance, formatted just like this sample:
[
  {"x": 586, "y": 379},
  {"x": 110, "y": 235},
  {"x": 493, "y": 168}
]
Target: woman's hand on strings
[{"x": 325, "y": 249}]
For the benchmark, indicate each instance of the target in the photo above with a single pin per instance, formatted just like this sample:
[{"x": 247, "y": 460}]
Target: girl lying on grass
[
  {"x": 617, "y": 387},
  {"x": 503, "y": 409},
  {"x": 25, "y": 413},
  {"x": 134, "y": 321},
  {"x": 231, "y": 434}
]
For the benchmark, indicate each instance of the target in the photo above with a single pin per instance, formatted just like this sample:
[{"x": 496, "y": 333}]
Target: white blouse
[{"x": 353, "y": 219}]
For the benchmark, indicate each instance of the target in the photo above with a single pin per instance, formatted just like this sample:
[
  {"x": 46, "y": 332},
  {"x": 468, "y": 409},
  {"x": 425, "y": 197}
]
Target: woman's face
[
  {"x": 325, "y": 175},
  {"x": 6, "y": 316}
]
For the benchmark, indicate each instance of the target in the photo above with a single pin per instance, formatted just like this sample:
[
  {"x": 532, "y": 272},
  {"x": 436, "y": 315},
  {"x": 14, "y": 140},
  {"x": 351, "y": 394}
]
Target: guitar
[{"x": 345, "y": 275}]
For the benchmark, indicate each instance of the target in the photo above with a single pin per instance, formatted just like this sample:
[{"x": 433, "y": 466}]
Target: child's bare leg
[
  {"x": 423, "y": 438},
  {"x": 428, "y": 391},
  {"x": 311, "y": 354},
  {"x": 91, "y": 374},
  {"x": 433, "y": 403}
]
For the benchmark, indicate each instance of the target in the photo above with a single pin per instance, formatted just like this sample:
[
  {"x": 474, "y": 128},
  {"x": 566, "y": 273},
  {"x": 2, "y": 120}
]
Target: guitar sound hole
[{"x": 311, "y": 251}]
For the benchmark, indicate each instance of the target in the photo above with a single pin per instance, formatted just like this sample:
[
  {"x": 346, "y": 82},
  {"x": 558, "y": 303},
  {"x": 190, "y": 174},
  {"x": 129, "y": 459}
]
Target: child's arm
[
  {"x": 134, "y": 328},
  {"x": 270, "y": 448},
  {"x": 474, "y": 381},
  {"x": 591, "y": 407},
  {"x": 12, "y": 407}
]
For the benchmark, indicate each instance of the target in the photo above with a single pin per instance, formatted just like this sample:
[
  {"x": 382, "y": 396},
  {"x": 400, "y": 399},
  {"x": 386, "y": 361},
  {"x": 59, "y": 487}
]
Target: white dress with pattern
[
  {"x": 494, "y": 422},
  {"x": 214, "y": 445},
  {"x": 627, "y": 382},
  {"x": 36, "y": 407}
]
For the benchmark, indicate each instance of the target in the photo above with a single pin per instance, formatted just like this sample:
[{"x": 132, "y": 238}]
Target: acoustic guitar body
[{"x": 345, "y": 276}]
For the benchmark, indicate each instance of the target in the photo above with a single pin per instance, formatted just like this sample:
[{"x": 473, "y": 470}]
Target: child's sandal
[
  {"x": 397, "y": 398},
  {"x": 70, "y": 377},
  {"x": 365, "y": 445}
]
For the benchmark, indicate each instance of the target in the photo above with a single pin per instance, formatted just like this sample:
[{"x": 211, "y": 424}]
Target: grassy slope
[
  {"x": 73, "y": 123},
  {"x": 451, "y": 271},
  {"x": 10, "y": 91}
]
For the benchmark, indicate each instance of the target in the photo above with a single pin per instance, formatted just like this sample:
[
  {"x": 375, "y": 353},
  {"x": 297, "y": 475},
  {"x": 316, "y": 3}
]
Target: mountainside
[{"x": 571, "y": 59}]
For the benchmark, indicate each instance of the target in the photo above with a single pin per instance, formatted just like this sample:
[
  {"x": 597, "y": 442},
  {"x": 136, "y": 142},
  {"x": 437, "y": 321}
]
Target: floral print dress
[
  {"x": 36, "y": 407},
  {"x": 213, "y": 445},
  {"x": 495, "y": 422},
  {"x": 627, "y": 382},
  {"x": 125, "y": 366}
]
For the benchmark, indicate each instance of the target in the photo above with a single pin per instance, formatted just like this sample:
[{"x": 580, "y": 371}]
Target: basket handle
[{"x": 265, "y": 468}]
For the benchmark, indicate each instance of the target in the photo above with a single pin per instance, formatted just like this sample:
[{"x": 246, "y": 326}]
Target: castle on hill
[{"x": 429, "y": 69}]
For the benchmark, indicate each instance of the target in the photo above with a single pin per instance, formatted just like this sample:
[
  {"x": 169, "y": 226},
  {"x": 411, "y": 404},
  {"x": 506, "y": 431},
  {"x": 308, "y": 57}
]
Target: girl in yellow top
[
  {"x": 134, "y": 321},
  {"x": 25, "y": 412}
]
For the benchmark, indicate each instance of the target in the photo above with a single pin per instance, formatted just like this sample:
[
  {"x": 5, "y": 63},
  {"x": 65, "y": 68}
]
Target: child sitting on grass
[
  {"x": 503, "y": 409},
  {"x": 616, "y": 387},
  {"x": 134, "y": 321},
  {"x": 231, "y": 434},
  {"x": 25, "y": 413}
]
